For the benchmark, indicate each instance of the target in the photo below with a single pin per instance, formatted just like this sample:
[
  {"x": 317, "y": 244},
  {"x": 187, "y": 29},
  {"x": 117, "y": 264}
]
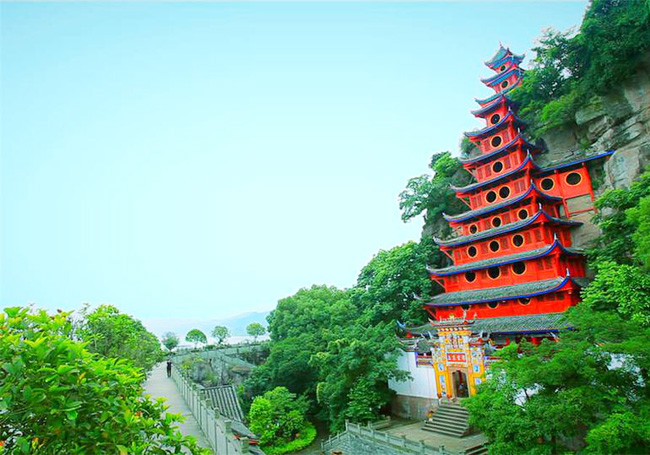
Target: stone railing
[
  {"x": 216, "y": 428},
  {"x": 356, "y": 439}
]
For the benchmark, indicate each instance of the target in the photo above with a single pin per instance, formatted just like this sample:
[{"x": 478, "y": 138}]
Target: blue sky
[{"x": 199, "y": 160}]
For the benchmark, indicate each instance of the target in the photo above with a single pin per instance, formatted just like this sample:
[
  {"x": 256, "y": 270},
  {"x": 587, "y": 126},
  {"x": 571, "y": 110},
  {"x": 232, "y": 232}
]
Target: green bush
[
  {"x": 303, "y": 440},
  {"x": 278, "y": 416}
]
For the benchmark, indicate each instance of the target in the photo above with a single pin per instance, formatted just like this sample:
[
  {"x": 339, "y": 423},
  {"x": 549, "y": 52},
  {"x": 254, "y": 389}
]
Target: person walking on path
[{"x": 169, "y": 368}]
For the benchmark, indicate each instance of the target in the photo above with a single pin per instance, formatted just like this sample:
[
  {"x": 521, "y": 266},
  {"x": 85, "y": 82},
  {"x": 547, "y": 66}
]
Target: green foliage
[
  {"x": 618, "y": 218},
  {"x": 277, "y": 416},
  {"x": 255, "y": 329},
  {"x": 303, "y": 439},
  {"x": 57, "y": 397},
  {"x": 355, "y": 366},
  {"x": 113, "y": 334},
  {"x": 220, "y": 332},
  {"x": 196, "y": 336},
  {"x": 170, "y": 340},
  {"x": 388, "y": 287},
  {"x": 640, "y": 217},
  {"x": 431, "y": 195},
  {"x": 569, "y": 70}
]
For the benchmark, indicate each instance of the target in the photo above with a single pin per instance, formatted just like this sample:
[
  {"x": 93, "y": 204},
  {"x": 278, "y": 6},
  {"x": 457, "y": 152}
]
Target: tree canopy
[
  {"x": 220, "y": 332},
  {"x": 196, "y": 336},
  {"x": 113, "y": 334},
  {"x": 170, "y": 340},
  {"x": 255, "y": 329}
]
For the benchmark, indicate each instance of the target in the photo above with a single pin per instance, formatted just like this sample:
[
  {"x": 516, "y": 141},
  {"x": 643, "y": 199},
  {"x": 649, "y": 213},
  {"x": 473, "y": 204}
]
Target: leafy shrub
[
  {"x": 56, "y": 397},
  {"x": 303, "y": 440},
  {"x": 277, "y": 416}
]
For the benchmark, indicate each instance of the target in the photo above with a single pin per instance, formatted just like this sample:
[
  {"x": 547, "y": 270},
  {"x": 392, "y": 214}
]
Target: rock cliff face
[{"x": 618, "y": 121}]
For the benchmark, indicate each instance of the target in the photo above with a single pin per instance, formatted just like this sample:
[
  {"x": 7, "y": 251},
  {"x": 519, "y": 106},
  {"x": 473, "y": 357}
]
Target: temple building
[{"x": 513, "y": 265}]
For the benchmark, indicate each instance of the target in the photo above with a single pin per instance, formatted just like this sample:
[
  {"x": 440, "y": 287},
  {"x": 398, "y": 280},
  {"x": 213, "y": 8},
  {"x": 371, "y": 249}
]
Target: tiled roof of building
[
  {"x": 488, "y": 233},
  {"x": 502, "y": 55},
  {"x": 548, "y": 322},
  {"x": 490, "y": 107},
  {"x": 498, "y": 178},
  {"x": 224, "y": 398},
  {"x": 497, "y": 126},
  {"x": 503, "y": 260},
  {"x": 494, "y": 294},
  {"x": 489, "y": 99},
  {"x": 575, "y": 158},
  {"x": 495, "y": 79},
  {"x": 529, "y": 147},
  {"x": 503, "y": 204}
]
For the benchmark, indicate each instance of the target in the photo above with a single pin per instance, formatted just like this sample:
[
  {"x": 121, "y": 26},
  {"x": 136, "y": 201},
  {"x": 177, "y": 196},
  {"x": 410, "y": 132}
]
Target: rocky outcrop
[{"x": 617, "y": 121}]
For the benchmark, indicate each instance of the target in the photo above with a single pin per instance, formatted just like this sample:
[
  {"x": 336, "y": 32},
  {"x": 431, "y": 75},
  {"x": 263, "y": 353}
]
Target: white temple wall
[{"x": 422, "y": 385}]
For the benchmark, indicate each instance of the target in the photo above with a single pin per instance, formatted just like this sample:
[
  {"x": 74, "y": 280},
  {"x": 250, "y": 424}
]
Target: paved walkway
[{"x": 159, "y": 385}]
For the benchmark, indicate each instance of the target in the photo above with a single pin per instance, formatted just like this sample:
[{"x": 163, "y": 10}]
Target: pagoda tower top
[{"x": 503, "y": 56}]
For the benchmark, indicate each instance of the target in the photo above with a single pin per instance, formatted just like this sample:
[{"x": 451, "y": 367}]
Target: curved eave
[
  {"x": 518, "y": 139},
  {"x": 511, "y": 259},
  {"x": 508, "y": 293},
  {"x": 480, "y": 212},
  {"x": 499, "y": 101},
  {"x": 497, "y": 78},
  {"x": 511, "y": 227},
  {"x": 489, "y": 99},
  {"x": 517, "y": 59},
  {"x": 477, "y": 185},
  {"x": 480, "y": 134},
  {"x": 542, "y": 170}
]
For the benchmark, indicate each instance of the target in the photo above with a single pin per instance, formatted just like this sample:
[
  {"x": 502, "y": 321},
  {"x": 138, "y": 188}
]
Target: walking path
[{"x": 159, "y": 385}]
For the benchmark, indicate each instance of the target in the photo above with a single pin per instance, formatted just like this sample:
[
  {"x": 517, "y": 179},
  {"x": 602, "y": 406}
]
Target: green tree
[
  {"x": 57, "y": 397},
  {"x": 196, "y": 336},
  {"x": 640, "y": 217},
  {"x": 255, "y": 329},
  {"x": 278, "y": 416},
  {"x": 170, "y": 340},
  {"x": 113, "y": 334},
  {"x": 355, "y": 366},
  {"x": 390, "y": 287},
  {"x": 220, "y": 332}
]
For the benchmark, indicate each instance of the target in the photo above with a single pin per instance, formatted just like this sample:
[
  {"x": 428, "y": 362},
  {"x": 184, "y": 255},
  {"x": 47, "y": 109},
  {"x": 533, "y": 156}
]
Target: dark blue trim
[
  {"x": 492, "y": 208},
  {"x": 572, "y": 163},
  {"x": 495, "y": 96},
  {"x": 463, "y": 240},
  {"x": 504, "y": 148},
  {"x": 492, "y": 81},
  {"x": 516, "y": 58},
  {"x": 476, "y": 302},
  {"x": 476, "y": 185},
  {"x": 490, "y": 107},
  {"x": 556, "y": 243}
]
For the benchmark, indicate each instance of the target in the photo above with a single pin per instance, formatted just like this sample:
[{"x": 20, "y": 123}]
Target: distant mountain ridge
[{"x": 236, "y": 324}]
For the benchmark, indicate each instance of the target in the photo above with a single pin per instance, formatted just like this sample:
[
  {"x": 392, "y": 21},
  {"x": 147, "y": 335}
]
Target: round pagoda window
[
  {"x": 504, "y": 192},
  {"x": 518, "y": 240},
  {"x": 548, "y": 184},
  {"x": 496, "y": 141},
  {"x": 491, "y": 196},
  {"x": 493, "y": 304},
  {"x": 494, "y": 272},
  {"x": 494, "y": 246},
  {"x": 470, "y": 276},
  {"x": 496, "y": 221},
  {"x": 465, "y": 307},
  {"x": 497, "y": 167},
  {"x": 573, "y": 178},
  {"x": 502, "y": 69},
  {"x": 495, "y": 119},
  {"x": 524, "y": 301},
  {"x": 519, "y": 268},
  {"x": 473, "y": 229},
  {"x": 522, "y": 214},
  {"x": 471, "y": 251},
  {"x": 504, "y": 84}
]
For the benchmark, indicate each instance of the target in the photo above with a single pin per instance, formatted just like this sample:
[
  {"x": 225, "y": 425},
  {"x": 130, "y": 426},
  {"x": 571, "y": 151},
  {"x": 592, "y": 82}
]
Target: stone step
[
  {"x": 477, "y": 450},
  {"x": 453, "y": 408},
  {"x": 449, "y": 430},
  {"x": 447, "y": 424},
  {"x": 451, "y": 419}
]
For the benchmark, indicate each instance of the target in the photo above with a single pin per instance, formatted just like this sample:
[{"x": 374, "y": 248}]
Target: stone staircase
[{"x": 450, "y": 419}]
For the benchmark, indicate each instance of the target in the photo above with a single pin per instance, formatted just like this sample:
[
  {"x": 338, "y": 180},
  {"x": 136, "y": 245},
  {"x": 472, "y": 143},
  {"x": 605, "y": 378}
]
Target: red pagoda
[{"x": 514, "y": 269}]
